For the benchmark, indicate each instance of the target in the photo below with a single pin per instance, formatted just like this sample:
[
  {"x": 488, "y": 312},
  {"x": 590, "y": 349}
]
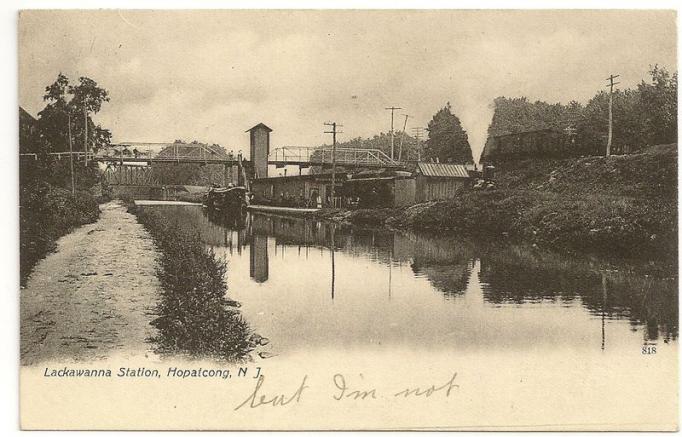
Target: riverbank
[
  {"x": 282, "y": 210},
  {"x": 624, "y": 205},
  {"x": 95, "y": 296},
  {"x": 195, "y": 317}
]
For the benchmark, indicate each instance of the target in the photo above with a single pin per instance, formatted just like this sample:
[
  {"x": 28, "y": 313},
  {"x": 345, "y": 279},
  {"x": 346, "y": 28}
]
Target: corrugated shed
[{"x": 442, "y": 170}]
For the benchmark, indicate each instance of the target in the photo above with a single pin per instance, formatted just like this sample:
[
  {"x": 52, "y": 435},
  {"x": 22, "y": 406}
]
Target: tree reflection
[
  {"x": 511, "y": 275},
  {"x": 508, "y": 274}
]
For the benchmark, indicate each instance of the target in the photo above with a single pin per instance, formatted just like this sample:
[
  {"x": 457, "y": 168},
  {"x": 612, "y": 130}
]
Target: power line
[
  {"x": 392, "y": 109},
  {"x": 73, "y": 183}
]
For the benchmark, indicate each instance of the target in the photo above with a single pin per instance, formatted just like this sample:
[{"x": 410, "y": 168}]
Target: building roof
[
  {"x": 25, "y": 116},
  {"x": 259, "y": 126},
  {"x": 442, "y": 170},
  {"x": 340, "y": 176}
]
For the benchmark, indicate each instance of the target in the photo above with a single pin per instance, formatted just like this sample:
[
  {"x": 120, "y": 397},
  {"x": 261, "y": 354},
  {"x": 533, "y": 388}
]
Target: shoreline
[{"x": 619, "y": 206}]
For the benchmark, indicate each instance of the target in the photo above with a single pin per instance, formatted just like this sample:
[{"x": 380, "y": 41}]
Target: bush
[
  {"x": 195, "y": 316},
  {"x": 47, "y": 213}
]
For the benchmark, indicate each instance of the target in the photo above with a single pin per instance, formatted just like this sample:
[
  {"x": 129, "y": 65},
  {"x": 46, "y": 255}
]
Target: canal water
[{"x": 309, "y": 285}]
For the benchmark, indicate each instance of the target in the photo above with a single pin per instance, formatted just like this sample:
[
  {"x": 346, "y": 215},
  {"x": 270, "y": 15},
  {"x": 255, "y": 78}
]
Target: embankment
[
  {"x": 195, "y": 316},
  {"x": 46, "y": 213},
  {"x": 624, "y": 205}
]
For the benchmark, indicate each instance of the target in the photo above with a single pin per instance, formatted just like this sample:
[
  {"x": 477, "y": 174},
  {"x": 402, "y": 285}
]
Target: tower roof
[{"x": 259, "y": 126}]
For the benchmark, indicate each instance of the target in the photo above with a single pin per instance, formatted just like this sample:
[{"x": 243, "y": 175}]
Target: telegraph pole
[
  {"x": 392, "y": 108},
  {"x": 73, "y": 184},
  {"x": 402, "y": 137},
  {"x": 418, "y": 131},
  {"x": 333, "y": 132},
  {"x": 85, "y": 118},
  {"x": 610, "y": 85}
]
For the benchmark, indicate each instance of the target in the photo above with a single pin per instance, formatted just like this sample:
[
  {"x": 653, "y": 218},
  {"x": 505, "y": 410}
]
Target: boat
[{"x": 230, "y": 200}]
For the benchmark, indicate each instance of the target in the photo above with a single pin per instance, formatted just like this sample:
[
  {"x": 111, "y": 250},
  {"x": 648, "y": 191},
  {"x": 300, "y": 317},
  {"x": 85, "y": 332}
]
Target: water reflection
[
  {"x": 513, "y": 276},
  {"x": 259, "y": 258},
  {"x": 316, "y": 282}
]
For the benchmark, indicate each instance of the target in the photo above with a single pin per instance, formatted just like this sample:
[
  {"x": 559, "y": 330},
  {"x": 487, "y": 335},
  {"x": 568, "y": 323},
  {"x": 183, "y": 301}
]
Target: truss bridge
[{"x": 322, "y": 156}]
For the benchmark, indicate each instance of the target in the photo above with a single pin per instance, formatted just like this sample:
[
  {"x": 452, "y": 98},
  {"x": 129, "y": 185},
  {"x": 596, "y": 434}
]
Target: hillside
[
  {"x": 650, "y": 173},
  {"x": 623, "y": 205}
]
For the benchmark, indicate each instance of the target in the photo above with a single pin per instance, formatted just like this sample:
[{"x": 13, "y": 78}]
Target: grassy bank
[
  {"x": 47, "y": 213},
  {"x": 195, "y": 316},
  {"x": 625, "y": 205}
]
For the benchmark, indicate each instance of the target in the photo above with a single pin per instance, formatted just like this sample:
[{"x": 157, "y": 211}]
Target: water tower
[{"x": 260, "y": 149}]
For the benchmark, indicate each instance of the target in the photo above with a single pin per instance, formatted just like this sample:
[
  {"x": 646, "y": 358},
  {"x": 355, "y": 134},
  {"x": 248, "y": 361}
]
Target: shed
[
  {"x": 437, "y": 181},
  {"x": 381, "y": 192},
  {"x": 295, "y": 191}
]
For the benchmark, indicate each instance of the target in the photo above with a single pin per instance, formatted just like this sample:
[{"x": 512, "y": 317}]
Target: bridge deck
[{"x": 282, "y": 156}]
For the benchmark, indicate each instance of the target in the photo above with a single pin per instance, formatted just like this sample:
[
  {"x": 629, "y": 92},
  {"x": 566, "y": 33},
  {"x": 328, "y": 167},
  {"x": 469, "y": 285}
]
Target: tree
[
  {"x": 448, "y": 141},
  {"x": 658, "y": 106},
  {"x": 64, "y": 101},
  {"x": 643, "y": 116}
]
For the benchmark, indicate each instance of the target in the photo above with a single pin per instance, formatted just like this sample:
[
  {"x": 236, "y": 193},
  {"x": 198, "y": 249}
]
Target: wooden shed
[
  {"x": 436, "y": 181},
  {"x": 381, "y": 191},
  {"x": 295, "y": 191}
]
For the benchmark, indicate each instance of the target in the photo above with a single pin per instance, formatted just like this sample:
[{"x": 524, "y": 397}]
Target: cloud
[{"x": 210, "y": 75}]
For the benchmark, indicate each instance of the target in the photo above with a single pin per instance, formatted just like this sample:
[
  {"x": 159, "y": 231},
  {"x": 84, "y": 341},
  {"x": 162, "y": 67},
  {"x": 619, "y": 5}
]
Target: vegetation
[
  {"x": 448, "y": 142},
  {"x": 66, "y": 109},
  {"x": 195, "y": 317},
  {"x": 46, "y": 213},
  {"x": 405, "y": 146},
  {"x": 625, "y": 205},
  {"x": 642, "y": 117},
  {"x": 48, "y": 208}
]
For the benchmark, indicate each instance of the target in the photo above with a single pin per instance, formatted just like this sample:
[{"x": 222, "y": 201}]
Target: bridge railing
[
  {"x": 179, "y": 152},
  {"x": 57, "y": 155},
  {"x": 323, "y": 155}
]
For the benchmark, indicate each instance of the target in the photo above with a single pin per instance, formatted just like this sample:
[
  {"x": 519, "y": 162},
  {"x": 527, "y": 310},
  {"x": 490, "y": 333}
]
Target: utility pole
[
  {"x": 418, "y": 131},
  {"x": 85, "y": 118},
  {"x": 610, "y": 85},
  {"x": 73, "y": 184},
  {"x": 402, "y": 137},
  {"x": 392, "y": 108},
  {"x": 333, "y": 132}
]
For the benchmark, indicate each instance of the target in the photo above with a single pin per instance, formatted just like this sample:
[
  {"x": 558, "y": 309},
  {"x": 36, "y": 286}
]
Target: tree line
[{"x": 643, "y": 116}]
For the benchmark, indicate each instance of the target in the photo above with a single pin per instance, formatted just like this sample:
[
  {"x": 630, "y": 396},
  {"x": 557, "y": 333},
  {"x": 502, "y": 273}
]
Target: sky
[{"x": 211, "y": 75}]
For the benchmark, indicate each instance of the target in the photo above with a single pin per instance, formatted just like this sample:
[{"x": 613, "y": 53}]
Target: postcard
[{"x": 348, "y": 220}]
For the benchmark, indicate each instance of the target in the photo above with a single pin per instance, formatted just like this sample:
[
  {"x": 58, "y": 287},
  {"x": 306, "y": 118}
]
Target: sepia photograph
[{"x": 348, "y": 219}]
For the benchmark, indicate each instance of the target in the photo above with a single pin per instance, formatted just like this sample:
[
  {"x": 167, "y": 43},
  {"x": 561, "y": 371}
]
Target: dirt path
[{"x": 95, "y": 296}]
